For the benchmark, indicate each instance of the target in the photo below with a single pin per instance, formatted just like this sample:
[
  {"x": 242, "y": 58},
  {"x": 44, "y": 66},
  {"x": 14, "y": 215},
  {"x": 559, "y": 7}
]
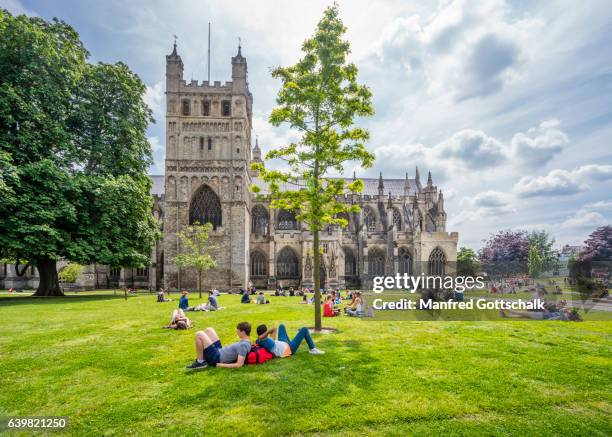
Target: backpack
[{"x": 258, "y": 355}]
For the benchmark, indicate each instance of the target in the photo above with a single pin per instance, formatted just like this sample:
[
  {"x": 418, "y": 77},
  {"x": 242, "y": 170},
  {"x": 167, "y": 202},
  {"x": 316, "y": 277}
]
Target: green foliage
[
  {"x": 70, "y": 273},
  {"x": 535, "y": 262},
  {"x": 320, "y": 98},
  {"x": 196, "y": 250},
  {"x": 544, "y": 243},
  {"x": 73, "y": 152},
  {"x": 467, "y": 262}
]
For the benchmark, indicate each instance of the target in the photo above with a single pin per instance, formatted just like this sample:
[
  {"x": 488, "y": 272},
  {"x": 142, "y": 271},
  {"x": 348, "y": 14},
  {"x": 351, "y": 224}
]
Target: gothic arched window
[
  {"x": 397, "y": 219},
  {"x": 350, "y": 263},
  {"x": 259, "y": 220},
  {"x": 369, "y": 218},
  {"x": 404, "y": 261},
  {"x": 259, "y": 264},
  {"x": 287, "y": 264},
  {"x": 205, "y": 207},
  {"x": 186, "y": 108},
  {"x": 376, "y": 262},
  {"x": 286, "y": 220},
  {"x": 437, "y": 262}
]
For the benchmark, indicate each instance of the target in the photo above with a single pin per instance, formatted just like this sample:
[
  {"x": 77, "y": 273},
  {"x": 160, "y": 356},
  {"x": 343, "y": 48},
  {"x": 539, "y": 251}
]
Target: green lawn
[{"x": 106, "y": 364}]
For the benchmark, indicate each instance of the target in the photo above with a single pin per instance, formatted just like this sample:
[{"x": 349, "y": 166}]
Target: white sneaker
[{"x": 316, "y": 351}]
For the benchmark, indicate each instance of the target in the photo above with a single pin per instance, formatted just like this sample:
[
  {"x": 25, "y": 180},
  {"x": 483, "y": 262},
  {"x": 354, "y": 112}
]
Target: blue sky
[{"x": 509, "y": 104}]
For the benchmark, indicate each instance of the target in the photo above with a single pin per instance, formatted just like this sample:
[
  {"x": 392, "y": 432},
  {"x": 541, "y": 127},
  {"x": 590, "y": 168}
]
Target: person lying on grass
[
  {"x": 280, "y": 345},
  {"x": 179, "y": 320},
  {"x": 209, "y": 351}
]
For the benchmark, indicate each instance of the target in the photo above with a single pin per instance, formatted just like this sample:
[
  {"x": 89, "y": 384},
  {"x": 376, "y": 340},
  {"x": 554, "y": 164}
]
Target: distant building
[{"x": 566, "y": 253}]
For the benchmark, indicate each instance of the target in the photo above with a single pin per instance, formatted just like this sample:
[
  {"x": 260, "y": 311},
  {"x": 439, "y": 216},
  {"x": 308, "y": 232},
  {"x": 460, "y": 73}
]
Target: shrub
[{"x": 70, "y": 273}]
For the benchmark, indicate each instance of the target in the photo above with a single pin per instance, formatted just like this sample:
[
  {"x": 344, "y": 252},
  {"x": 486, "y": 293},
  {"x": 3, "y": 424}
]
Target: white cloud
[
  {"x": 465, "y": 48},
  {"x": 474, "y": 148},
  {"x": 483, "y": 206},
  {"x": 555, "y": 183},
  {"x": 159, "y": 156},
  {"x": 584, "y": 219},
  {"x": 540, "y": 144},
  {"x": 595, "y": 172},
  {"x": 154, "y": 98},
  {"x": 15, "y": 7},
  {"x": 602, "y": 204},
  {"x": 562, "y": 182}
]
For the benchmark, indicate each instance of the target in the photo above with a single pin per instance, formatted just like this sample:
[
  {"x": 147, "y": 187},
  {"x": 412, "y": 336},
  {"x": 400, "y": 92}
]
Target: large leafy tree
[
  {"x": 320, "y": 98},
  {"x": 598, "y": 247},
  {"x": 505, "y": 252},
  {"x": 73, "y": 153},
  {"x": 196, "y": 250}
]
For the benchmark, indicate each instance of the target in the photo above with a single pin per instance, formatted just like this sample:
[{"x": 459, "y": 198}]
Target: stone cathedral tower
[{"x": 208, "y": 137}]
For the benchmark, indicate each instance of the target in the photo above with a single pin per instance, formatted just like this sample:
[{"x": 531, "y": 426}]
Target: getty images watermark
[{"x": 437, "y": 297}]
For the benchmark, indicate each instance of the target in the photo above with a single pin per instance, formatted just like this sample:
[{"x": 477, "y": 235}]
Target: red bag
[{"x": 258, "y": 355}]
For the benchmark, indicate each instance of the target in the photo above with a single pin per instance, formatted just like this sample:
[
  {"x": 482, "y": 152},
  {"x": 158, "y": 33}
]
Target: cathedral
[{"x": 401, "y": 227}]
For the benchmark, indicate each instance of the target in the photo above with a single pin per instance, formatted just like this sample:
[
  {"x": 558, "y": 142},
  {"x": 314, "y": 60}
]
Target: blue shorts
[{"x": 212, "y": 354}]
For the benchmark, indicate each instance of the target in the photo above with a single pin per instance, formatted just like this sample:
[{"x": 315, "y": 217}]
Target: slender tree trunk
[
  {"x": 317, "y": 284},
  {"x": 49, "y": 283},
  {"x": 200, "y": 282}
]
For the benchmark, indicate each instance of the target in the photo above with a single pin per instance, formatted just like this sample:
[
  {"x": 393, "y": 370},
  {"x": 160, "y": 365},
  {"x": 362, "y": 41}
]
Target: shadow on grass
[
  {"x": 341, "y": 377},
  {"x": 28, "y": 299}
]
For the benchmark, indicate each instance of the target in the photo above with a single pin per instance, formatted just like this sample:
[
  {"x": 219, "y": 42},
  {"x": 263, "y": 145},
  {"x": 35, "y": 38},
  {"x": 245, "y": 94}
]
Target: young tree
[
  {"x": 544, "y": 244},
  {"x": 535, "y": 262},
  {"x": 320, "y": 98},
  {"x": 73, "y": 153},
  {"x": 196, "y": 250}
]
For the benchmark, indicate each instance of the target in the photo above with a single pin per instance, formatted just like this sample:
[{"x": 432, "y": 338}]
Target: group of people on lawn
[{"x": 210, "y": 351}]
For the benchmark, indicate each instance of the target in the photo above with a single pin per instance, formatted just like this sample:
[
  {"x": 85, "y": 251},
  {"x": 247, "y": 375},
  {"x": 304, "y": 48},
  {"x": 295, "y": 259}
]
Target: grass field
[{"x": 106, "y": 364}]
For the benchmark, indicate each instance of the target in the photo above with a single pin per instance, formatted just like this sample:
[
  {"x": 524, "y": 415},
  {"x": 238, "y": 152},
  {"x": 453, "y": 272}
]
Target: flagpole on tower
[{"x": 209, "y": 52}]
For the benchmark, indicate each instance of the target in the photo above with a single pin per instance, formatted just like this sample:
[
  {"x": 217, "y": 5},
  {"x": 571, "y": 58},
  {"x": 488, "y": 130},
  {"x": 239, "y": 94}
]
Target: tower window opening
[
  {"x": 210, "y": 144},
  {"x": 186, "y": 110},
  {"x": 227, "y": 110}
]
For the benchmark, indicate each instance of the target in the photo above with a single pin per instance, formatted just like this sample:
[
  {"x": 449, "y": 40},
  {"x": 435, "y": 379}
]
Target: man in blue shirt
[{"x": 184, "y": 301}]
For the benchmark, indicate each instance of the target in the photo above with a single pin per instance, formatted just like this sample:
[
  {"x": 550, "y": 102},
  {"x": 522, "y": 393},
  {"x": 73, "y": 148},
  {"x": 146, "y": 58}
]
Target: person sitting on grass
[
  {"x": 210, "y": 352},
  {"x": 211, "y": 305},
  {"x": 261, "y": 299},
  {"x": 304, "y": 299},
  {"x": 184, "y": 300},
  {"x": 245, "y": 298},
  {"x": 280, "y": 345},
  {"x": 328, "y": 307},
  {"x": 161, "y": 297},
  {"x": 179, "y": 320},
  {"x": 355, "y": 309}
]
